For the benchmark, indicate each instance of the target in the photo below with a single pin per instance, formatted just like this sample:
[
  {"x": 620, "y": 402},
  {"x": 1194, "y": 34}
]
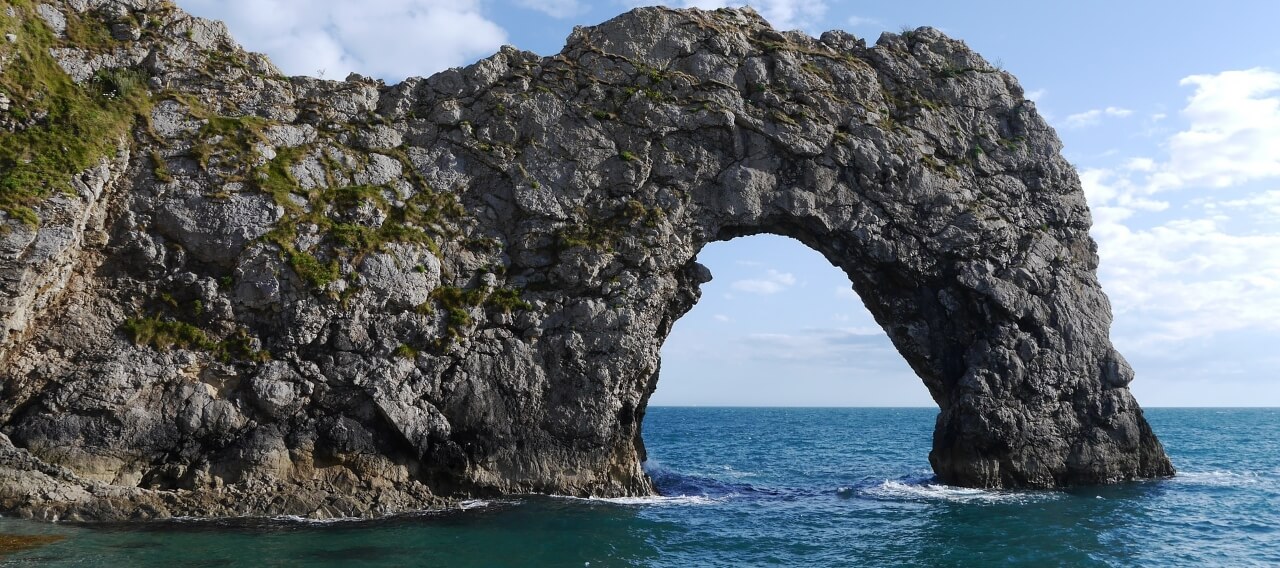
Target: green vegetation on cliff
[
  {"x": 58, "y": 128},
  {"x": 165, "y": 333}
]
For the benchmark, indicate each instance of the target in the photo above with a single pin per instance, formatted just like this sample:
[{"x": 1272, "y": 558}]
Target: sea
[{"x": 778, "y": 487}]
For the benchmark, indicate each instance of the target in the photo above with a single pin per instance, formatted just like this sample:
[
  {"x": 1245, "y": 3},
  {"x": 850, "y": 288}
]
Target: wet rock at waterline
[{"x": 294, "y": 296}]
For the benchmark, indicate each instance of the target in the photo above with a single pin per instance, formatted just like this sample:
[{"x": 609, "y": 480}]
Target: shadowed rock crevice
[{"x": 306, "y": 297}]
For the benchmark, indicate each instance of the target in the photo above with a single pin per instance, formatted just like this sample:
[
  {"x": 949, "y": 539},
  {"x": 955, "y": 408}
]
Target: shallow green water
[{"x": 825, "y": 487}]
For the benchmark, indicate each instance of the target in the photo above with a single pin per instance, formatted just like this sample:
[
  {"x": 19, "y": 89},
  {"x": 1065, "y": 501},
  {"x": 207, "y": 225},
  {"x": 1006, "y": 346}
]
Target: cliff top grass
[{"x": 63, "y": 128}]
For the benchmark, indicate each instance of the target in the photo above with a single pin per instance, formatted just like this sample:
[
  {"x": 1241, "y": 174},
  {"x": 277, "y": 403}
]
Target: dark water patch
[{"x": 673, "y": 483}]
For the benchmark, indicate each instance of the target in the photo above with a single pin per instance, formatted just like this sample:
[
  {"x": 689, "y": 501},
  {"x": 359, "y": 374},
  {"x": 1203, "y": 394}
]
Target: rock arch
[
  {"x": 984, "y": 278},
  {"x": 345, "y": 366}
]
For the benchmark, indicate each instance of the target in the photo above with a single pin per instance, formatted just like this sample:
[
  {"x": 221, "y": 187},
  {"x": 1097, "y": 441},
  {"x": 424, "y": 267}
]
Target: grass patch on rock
[
  {"x": 65, "y": 128},
  {"x": 166, "y": 333}
]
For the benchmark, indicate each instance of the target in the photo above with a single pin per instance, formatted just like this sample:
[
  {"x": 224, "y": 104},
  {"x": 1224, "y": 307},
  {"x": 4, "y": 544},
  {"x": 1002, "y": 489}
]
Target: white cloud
[
  {"x": 554, "y": 8},
  {"x": 1096, "y": 190},
  {"x": 1140, "y": 165},
  {"x": 1095, "y": 116},
  {"x": 862, "y": 331},
  {"x": 392, "y": 39},
  {"x": 859, "y": 21},
  {"x": 1036, "y": 95},
  {"x": 1264, "y": 206},
  {"x": 722, "y": 318},
  {"x": 1234, "y": 135},
  {"x": 1190, "y": 278},
  {"x": 771, "y": 283},
  {"x": 782, "y": 14},
  {"x": 1200, "y": 273},
  {"x": 841, "y": 347},
  {"x": 1105, "y": 187}
]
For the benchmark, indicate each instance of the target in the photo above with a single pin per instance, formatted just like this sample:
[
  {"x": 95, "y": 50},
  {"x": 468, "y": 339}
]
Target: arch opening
[
  {"x": 778, "y": 313},
  {"x": 778, "y": 325}
]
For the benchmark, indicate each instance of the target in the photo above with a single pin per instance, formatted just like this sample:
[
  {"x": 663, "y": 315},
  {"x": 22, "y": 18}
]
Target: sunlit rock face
[{"x": 318, "y": 298}]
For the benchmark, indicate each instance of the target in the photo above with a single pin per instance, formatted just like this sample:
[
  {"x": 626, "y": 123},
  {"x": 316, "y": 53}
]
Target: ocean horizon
[{"x": 893, "y": 407}]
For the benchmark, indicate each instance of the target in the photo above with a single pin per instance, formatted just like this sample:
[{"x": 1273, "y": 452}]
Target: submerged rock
[
  {"x": 10, "y": 543},
  {"x": 317, "y": 298}
]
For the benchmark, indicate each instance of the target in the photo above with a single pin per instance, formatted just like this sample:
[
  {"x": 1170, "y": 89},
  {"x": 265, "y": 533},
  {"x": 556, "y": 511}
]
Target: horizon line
[{"x": 933, "y": 407}]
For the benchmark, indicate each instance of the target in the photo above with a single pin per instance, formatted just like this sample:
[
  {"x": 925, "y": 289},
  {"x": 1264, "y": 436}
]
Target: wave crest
[
  {"x": 1219, "y": 478},
  {"x": 649, "y": 500},
  {"x": 923, "y": 490}
]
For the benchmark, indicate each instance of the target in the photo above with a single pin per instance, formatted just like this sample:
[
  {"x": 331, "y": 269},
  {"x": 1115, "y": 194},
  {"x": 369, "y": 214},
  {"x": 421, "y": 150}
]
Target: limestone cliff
[{"x": 249, "y": 294}]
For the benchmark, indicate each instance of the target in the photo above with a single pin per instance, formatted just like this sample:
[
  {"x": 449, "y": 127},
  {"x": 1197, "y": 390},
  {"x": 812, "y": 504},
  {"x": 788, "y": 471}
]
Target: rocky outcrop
[
  {"x": 346, "y": 298},
  {"x": 36, "y": 262}
]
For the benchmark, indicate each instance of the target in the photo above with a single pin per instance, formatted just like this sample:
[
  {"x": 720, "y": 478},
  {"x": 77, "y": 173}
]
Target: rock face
[{"x": 318, "y": 298}]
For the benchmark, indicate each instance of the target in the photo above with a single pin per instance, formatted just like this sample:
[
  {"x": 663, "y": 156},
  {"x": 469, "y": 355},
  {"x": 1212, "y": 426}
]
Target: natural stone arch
[
  {"x": 984, "y": 280},
  {"x": 973, "y": 337},
  {"x": 520, "y": 356}
]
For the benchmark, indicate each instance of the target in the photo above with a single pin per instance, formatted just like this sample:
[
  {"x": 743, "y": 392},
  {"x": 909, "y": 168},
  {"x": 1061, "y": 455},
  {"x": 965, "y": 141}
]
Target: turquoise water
[{"x": 792, "y": 487}]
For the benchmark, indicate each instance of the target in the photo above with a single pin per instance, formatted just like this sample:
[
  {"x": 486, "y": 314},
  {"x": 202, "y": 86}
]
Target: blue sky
[{"x": 1169, "y": 109}]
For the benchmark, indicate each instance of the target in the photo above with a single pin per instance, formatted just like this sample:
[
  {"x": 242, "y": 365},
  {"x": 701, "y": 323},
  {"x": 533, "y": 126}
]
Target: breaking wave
[
  {"x": 1218, "y": 478},
  {"x": 650, "y": 500},
  {"x": 925, "y": 489}
]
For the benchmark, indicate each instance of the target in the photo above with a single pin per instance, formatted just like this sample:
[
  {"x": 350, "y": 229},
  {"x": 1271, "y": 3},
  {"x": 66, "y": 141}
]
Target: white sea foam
[
  {"x": 728, "y": 470},
  {"x": 649, "y": 500},
  {"x": 1219, "y": 478},
  {"x": 463, "y": 505},
  {"x": 653, "y": 467},
  {"x": 897, "y": 490},
  {"x": 273, "y": 519},
  {"x": 310, "y": 521}
]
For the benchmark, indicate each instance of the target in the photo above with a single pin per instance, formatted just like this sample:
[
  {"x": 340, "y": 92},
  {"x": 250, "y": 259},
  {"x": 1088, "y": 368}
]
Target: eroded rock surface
[{"x": 318, "y": 298}]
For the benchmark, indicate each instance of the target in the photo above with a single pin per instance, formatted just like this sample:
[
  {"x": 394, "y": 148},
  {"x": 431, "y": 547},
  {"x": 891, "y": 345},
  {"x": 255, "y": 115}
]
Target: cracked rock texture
[{"x": 321, "y": 298}]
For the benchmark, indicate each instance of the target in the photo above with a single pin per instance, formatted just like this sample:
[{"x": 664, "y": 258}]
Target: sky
[{"x": 1170, "y": 110}]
